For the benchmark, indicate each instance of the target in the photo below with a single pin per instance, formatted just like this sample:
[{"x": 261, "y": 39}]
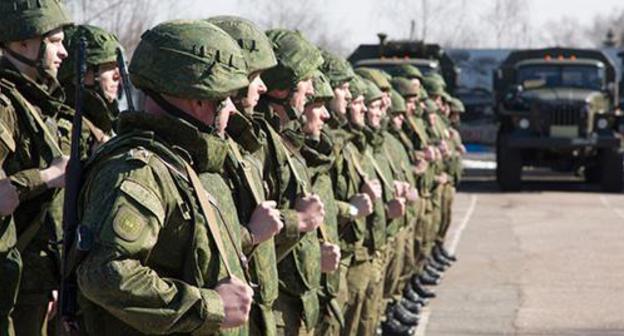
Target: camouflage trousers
[
  {"x": 372, "y": 309},
  {"x": 359, "y": 276},
  {"x": 424, "y": 233},
  {"x": 329, "y": 324},
  {"x": 448, "y": 195},
  {"x": 437, "y": 214},
  {"x": 288, "y": 317},
  {"x": 10, "y": 272},
  {"x": 394, "y": 265},
  {"x": 261, "y": 320}
]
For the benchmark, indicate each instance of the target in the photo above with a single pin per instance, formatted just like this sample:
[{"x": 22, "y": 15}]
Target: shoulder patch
[
  {"x": 128, "y": 223},
  {"x": 145, "y": 197}
]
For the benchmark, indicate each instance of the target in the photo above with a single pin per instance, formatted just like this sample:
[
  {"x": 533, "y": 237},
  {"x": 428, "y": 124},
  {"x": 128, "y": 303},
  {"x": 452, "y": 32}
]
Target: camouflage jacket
[{"x": 154, "y": 264}]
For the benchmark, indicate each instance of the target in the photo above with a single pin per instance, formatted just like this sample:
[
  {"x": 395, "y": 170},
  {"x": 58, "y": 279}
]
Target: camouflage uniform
[
  {"x": 156, "y": 257},
  {"x": 244, "y": 170},
  {"x": 37, "y": 120},
  {"x": 100, "y": 113},
  {"x": 287, "y": 177}
]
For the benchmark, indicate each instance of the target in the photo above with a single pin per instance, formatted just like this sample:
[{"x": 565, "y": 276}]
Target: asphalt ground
[{"x": 544, "y": 261}]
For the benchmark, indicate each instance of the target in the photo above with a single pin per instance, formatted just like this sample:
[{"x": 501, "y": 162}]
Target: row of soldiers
[{"x": 265, "y": 187}]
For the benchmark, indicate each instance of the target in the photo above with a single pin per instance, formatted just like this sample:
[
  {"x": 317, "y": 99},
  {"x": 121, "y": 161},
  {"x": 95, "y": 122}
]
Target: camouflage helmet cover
[
  {"x": 398, "y": 102},
  {"x": 405, "y": 87},
  {"x": 322, "y": 88},
  {"x": 372, "y": 92},
  {"x": 297, "y": 59},
  {"x": 376, "y": 76},
  {"x": 189, "y": 59},
  {"x": 257, "y": 48},
  {"x": 25, "y": 19},
  {"x": 336, "y": 68},
  {"x": 439, "y": 78},
  {"x": 457, "y": 106},
  {"x": 433, "y": 86},
  {"x": 101, "y": 47},
  {"x": 357, "y": 86},
  {"x": 406, "y": 70}
]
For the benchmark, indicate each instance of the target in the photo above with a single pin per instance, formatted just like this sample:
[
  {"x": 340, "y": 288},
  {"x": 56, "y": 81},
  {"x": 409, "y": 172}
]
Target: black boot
[
  {"x": 414, "y": 308},
  {"x": 419, "y": 289},
  {"x": 405, "y": 316},
  {"x": 392, "y": 327},
  {"x": 437, "y": 261},
  {"x": 427, "y": 280},
  {"x": 410, "y": 295},
  {"x": 432, "y": 272},
  {"x": 444, "y": 253}
]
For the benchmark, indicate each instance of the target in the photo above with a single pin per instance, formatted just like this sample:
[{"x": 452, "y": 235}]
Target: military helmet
[
  {"x": 457, "y": 106},
  {"x": 257, "y": 48},
  {"x": 405, "y": 87},
  {"x": 439, "y": 78},
  {"x": 423, "y": 95},
  {"x": 357, "y": 87},
  {"x": 25, "y": 19},
  {"x": 433, "y": 86},
  {"x": 101, "y": 48},
  {"x": 376, "y": 76},
  {"x": 398, "y": 102},
  {"x": 297, "y": 59},
  {"x": 322, "y": 88},
  {"x": 336, "y": 68},
  {"x": 406, "y": 70},
  {"x": 372, "y": 92},
  {"x": 188, "y": 59}
]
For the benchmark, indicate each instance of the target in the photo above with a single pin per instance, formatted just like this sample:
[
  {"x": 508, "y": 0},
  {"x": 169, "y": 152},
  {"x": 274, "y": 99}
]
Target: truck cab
[{"x": 557, "y": 109}]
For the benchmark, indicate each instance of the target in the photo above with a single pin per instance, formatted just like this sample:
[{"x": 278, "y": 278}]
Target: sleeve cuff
[
  {"x": 344, "y": 210},
  {"x": 291, "y": 223},
  {"x": 28, "y": 183},
  {"x": 213, "y": 312}
]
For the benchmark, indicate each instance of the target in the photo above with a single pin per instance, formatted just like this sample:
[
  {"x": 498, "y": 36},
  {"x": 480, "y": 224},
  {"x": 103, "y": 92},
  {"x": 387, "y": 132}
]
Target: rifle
[
  {"x": 73, "y": 180},
  {"x": 125, "y": 79}
]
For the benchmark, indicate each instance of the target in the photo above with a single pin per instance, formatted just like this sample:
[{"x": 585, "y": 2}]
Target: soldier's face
[
  {"x": 357, "y": 110},
  {"x": 342, "y": 97},
  {"x": 109, "y": 80},
  {"x": 397, "y": 121},
  {"x": 55, "y": 52},
  {"x": 303, "y": 90},
  {"x": 386, "y": 102},
  {"x": 410, "y": 104},
  {"x": 375, "y": 113},
  {"x": 255, "y": 89},
  {"x": 316, "y": 114}
]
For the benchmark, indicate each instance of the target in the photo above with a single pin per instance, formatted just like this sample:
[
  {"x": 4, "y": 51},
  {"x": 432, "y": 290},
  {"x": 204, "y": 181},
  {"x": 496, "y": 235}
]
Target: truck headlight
[
  {"x": 524, "y": 123},
  {"x": 602, "y": 123}
]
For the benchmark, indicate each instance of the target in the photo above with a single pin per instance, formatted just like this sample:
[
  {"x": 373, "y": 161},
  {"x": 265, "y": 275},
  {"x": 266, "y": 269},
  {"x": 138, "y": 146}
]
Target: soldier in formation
[{"x": 264, "y": 187}]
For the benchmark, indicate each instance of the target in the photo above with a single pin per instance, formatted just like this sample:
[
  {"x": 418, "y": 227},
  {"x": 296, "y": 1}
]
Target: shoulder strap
[
  {"x": 379, "y": 171},
  {"x": 246, "y": 172},
  {"x": 32, "y": 113}
]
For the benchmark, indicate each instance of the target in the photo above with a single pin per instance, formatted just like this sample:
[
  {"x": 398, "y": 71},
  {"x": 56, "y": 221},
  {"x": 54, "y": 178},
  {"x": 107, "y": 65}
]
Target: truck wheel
[
  {"x": 592, "y": 174},
  {"x": 611, "y": 170},
  {"x": 508, "y": 167}
]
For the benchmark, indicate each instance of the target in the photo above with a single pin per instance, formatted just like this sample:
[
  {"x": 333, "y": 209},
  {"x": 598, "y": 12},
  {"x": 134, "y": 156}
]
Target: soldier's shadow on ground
[{"x": 484, "y": 181}]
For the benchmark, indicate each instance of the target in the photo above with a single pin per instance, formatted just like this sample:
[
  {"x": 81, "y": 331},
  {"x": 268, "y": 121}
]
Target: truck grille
[{"x": 565, "y": 116}]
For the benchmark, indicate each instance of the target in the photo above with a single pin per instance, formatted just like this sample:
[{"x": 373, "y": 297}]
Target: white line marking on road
[
  {"x": 426, "y": 313},
  {"x": 606, "y": 203},
  {"x": 458, "y": 232}
]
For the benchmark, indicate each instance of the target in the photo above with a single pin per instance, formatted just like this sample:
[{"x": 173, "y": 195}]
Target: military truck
[
  {"x": 557, "y": 109},
  {"x": 387, "y": 55}
]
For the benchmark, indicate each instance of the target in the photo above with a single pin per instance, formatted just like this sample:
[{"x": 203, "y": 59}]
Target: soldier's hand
[
  {"x": 265, "y": 222},
  {"x": 236, "y": 296},
  {"x": 9, "y": 199},
  {"x": 52, "y": 306},
  {"x": 430, "y": 154},
  {"x": 330, "y": 257},
  {"x": 442, "y": 178},
  {"x": 396, "y": 208},
  {"x": 411, "y": 195},
  {"x": 363, "y": 203},
  {"x": 400, "y": 188},
  {"x": 373, "y": 189},
  {"x": 54, "y": 175},
  {"x": 311, "y": 212}
]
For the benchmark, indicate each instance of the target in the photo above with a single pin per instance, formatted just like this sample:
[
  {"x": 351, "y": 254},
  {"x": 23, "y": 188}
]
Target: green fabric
[
  {"x": 101, "y": 49},
  {"x": 404, "y": 86},
  {"x": 257, "y": 48},
  {"x": 189, "y": 59},
  {"x": 376, "y": 76},
  {"x": 24, "y": 19},
  {"x": 406, "y": 70},
  {"x": 336, "y": 68},
  {"x": 398, "y": 103},
  {"x": 372, "y": 92}
]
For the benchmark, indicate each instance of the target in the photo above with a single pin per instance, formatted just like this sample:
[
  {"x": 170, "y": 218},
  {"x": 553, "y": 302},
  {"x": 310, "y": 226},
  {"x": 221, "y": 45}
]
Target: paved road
[{"x": 546, "y": 261}]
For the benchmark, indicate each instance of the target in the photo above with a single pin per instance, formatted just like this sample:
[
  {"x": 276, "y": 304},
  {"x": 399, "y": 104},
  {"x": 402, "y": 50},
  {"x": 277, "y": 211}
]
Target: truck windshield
[{"x": 576, "y": 76}]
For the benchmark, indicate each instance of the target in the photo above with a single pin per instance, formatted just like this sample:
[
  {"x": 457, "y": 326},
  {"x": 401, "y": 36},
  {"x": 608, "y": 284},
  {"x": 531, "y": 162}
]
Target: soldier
[
  {"x": 300, "y": 255},
  {"x": 10, "y": 259},
  {"x": 163, "y": 258},
  {"x": 243, "y": 168},
  {"x": 35, "y": 118},
  {"x": 352, "y": 204},
  {"x": 102, "y": 80}
]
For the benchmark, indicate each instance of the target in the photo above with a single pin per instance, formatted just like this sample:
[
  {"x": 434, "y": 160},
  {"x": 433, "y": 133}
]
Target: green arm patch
[
  {"x": 145, "y": 197},
  {"x": 128, "y": 223}
]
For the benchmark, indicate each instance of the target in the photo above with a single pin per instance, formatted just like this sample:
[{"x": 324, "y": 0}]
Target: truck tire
[
  {"x": 611, "y": 170},
  {"x": 508, "y": 166}
]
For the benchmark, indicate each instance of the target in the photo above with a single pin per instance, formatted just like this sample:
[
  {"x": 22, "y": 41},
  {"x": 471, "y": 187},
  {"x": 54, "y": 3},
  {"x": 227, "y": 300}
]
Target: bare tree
[
  {"x": 127, "y": 19},
  {"x": 508, "y": 22}
]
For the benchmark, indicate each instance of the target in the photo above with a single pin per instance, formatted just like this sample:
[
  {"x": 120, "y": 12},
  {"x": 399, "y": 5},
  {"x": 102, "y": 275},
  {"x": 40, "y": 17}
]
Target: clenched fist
[
  {"x": 373, "y": 189},
  {"x": 330, "y": 257},
  {"x": 311, "y": 212},
  {"x": 265, "y": 222},
  {"x": 9, "y": 199},
  {"x": 396, "y": 208},
  {"x": 236, "y": 296},
  {"x": 363, "y": 204}
]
